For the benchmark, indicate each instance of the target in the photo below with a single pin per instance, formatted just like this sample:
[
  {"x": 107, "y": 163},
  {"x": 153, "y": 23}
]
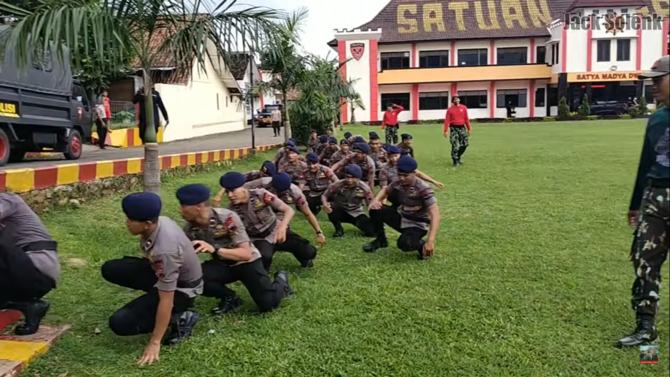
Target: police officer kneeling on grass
[
  {"x": 256, "y": 208},
  {"x": 221, "y": 233},
  {"x": 169, "y": 273},
  {"x": 29, "y": 264},
  {"x": 417, "y": 213},
  {"x": 343, "y": 201},
  {"x": 281, "y": 186}
]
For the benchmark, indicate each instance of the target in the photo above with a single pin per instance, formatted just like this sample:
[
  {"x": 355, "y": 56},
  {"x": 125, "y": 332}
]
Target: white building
[{"x": 420, "y": 54}]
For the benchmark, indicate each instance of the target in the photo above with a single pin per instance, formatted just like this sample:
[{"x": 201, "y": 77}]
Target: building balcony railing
[{"x": 461, "y": 74}]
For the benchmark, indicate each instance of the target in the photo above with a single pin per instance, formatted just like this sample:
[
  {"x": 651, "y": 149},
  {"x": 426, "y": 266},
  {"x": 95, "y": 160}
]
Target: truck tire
[
  {"x": 17, "y": 155},
  {"x": 74, "y": 146},
  {"x": 5, "y": 148}
]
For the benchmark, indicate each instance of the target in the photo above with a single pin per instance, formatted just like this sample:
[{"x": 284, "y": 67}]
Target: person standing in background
[
  {"x": 649, "y": 212},
  {"x": 276, "y": 121},
  {"x": 157, "y": 104},
  {"x": 107, "y": 103},
  {"x": 101, "y": 121},
  {"x": 390, "y": 122},
  {"x": 457, "y": 129}
]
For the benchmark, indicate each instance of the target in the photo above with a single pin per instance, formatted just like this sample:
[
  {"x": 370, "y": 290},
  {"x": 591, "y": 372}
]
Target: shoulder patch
[
  {"x": 159, "y": 268},
  {"x": 268, "y": 198},
  {"x": 230, "y": 224},
  {"x": 428, "y": 192}
]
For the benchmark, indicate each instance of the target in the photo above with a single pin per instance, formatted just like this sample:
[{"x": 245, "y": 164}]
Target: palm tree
[
  {"x": 322, "y": 90},
  {"x": 148, "y": 30},
  {"x": 354, "y": 99},
  {"x": 283, "y": 62}
]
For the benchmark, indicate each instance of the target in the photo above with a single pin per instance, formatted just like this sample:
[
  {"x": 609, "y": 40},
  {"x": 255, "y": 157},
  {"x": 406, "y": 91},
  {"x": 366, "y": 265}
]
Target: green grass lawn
[{"x": 530, "y": 276}]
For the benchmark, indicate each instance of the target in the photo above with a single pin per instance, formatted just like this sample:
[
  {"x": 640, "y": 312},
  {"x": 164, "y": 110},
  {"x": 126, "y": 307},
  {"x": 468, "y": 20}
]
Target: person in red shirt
[
  {"x": 390, "y": 122},
  {"x": 457, "y": 129}
]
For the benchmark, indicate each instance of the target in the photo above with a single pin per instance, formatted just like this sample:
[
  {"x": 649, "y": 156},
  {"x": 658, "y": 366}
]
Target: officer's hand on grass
[
  {"x": 320, "y": 239},
  {"x": 375, "y": 205},
  {"x": 280, "y": 236},
  {"x": 633, "y": 218},
  {"x": 328, "y": 208},
  {"x": 202, "y": 247},
  {"x": 428, "y": 249},
  {"x": 150, "y": 354}
]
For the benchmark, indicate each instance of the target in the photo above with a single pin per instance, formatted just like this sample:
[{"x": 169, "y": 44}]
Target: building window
[
  {"x": 596, "y": 11},
  {"x": 473, "y": 57},
  {"x": 394, "y": 60},
  {"x": 474, "y": 99},
  {"x": 433, "y": 59},
  {"x": 554, "y": 53},
  {"x": 623, "y": 50},
  {"x": 434, "y": 101},
  {"x": 512, "y": 56},
  {"x": 604, "y": 46},
  {"x": 610, "y": 11},
  {"x": 401, "y": 99},
  {"x": 624, "y": 10},
  {"x": 539, "y": 97},
  {"x": 517, "y": 98},
  {"x": 552, "y": 96},
  {"x": 540, "y": 54}
]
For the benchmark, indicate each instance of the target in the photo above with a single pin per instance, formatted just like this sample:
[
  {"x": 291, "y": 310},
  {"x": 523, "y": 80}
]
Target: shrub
[
  {"x": 584, "y": 107},
  {"x": 563, "y": 108},
  {"x": 549, "y": 119},
  {"x": 592, "y": 117},
  {"x": 625, "y": 116},
  {"x": 642, "y": 106}
]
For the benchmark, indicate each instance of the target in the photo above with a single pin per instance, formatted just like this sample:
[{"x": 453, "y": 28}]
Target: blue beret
[
  {"x": 312, "y": 157},
  {"x": 347, "y": 134},
  {"x": 386, "y": 146},
  {"x": 332, "y": 140},
  {"x": 292, "y": 140},
  {"x": 406, "y": 136},
  {"x": 323, "y": 139},
  {"x": 392, "y": 149},
  {"x": 142, "y": 206},
  {"x": 289, "y": 144},
  {"x": 293, "y": 149},
  {"x": 344, "y": 142},
  {"x": 269, "y": 168},
  {"x": 281, "y": 182},
  {"x": 363, "y": 147},
  {"x": 232, "y": 180},
  {"x": 354, "y": 170},
  {"x": 407, "y": 164},
  {"x": 372, "y": 133},
  {"x": 359, "y": 139},
  {"x": 191, "y": 195}
]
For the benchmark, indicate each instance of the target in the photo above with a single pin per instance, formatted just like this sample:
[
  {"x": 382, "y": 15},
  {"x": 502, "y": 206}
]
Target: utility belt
[
  {"x": 40, "y": 245},
  {"x": 417, "y": 219},
  {"x": 457, "y": 125},
  {"x": 189, "y": 284},
  {"x": 658, "y": 183},
  {"x": 393, "y": 125},
  {"x": 266, "y": 232}
]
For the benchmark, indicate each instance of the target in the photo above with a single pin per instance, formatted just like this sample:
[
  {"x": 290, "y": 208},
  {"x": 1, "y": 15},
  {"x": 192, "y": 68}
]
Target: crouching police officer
[
  {"x": 268, "y": 169},
  {"x": 169, "y": 273},
  {"x": 281, "y": 186},
  {"x": 256, "y": 208},
  {"x": 389, "y": 174},
  {"x": 418, "y": 212},
  {"x": 318, "y": 177},
  {"x": 29, "y": 264},
  {"x": 220, "y": 233},
  {"x": 343, "y": 201}
]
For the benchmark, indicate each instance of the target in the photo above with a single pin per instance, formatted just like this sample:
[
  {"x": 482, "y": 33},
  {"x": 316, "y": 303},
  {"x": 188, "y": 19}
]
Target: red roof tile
[{"x": 433, "y": 20}]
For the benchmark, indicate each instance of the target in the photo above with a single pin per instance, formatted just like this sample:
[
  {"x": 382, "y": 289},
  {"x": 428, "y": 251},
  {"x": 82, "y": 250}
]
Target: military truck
[
  {"x": 42, "y": 109},
  {"x": 265, "y": 116}
]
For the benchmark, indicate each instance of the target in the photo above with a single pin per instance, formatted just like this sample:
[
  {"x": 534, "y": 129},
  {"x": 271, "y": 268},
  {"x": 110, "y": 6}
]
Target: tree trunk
[
  {"x": 152, "y": 171},
  {"x": 353, "y": 114},
  {"x": 287, "y": 121}
]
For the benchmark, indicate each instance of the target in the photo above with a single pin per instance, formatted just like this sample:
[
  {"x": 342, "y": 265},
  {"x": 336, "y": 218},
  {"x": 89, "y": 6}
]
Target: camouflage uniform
[
  {"x": 391, "y": 134},
  {"x": 347, "y": 204},
  {"x": 458, "y": 136},
  {"x": 318, "y": 182}
]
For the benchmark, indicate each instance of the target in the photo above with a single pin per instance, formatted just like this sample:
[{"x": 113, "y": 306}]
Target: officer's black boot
[
  {"x": 307, "y": 263},
  {"x": 644, "y": 333},
  {"x": 379, "y": 243},
  {"x": 283, "y": 277},
  {"x": 339, "y": 231},
  {"x": 455, "y": 161},
  {"x": 181, "y": 328},
  {"x": 33, "y": 312},
  {"x": 227, "y": 305},
  {"x": 422, "y": 243}
]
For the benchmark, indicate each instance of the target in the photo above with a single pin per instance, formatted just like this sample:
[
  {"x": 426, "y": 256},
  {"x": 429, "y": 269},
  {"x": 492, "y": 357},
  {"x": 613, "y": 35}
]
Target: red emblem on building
[{"x": 357, "y": 50}]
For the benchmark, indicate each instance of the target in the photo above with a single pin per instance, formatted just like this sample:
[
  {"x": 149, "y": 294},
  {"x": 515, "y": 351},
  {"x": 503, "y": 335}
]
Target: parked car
[{"x": 609, "y": 108}]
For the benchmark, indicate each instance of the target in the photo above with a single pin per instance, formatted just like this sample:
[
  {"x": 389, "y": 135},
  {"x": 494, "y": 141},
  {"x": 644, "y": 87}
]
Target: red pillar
[
  {"x": 374, "y": 87},
  {"x": 342, "y": 51},
  {"x": 492, "y": 100},
  {"x": 531, "y": 98},
  {"x": 415, "y": 102}
]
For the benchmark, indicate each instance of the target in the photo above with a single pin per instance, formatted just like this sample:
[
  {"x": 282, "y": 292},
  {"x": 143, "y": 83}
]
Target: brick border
[{"x": 24, "y": 180}]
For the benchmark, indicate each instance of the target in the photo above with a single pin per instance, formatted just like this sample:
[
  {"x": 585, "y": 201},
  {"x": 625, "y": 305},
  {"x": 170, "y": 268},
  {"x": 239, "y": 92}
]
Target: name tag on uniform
[{"x": 222, "y": 233}]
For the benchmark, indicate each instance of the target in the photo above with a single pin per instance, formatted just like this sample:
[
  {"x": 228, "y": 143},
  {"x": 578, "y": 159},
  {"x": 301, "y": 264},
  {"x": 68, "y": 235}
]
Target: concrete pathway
[{"x": 229, "y": 140}]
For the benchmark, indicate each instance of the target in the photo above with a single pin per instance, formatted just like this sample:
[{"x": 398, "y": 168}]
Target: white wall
[
  {"x": 576, "y": 51},
  {"x": 360, "y": 69},
  {"x": 202, "y": 107},
  {"x": 652, "y": 47},
  {"x": 268, "y": 98}
]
